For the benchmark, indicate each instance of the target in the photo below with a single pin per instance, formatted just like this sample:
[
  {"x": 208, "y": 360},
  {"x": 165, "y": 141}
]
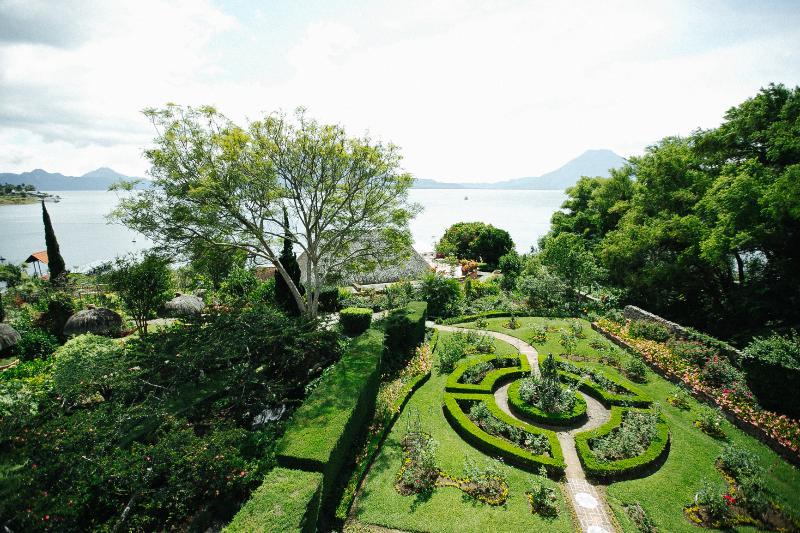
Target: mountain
[
  {"x": 589, "y": 163},
  {"x": 96, "y": 180}
]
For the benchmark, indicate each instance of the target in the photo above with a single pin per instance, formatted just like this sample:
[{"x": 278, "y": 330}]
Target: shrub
[
  {"x": 568, "y": 342},
  {"x": 711, "y": 497},
  {"x": 355, "y": 320},
  {"x": 87, "y": 365},
  {"x": 510, "y": 265},
  {"x": 35, "y": 343},
  {"x": 543, "y": 291},
  {"x": 442, "y": 294},
  {"x": 542, "y": 498},
  {"x": 450, "y": 350},
  {"x": 639, "y": 517},
  {"x": 399, "y": 294},
  {"x": 405, "y": 330},
  {"x": 481, "y": 323},
  {"x": 485, "y": 344},
  {"x": 710, "y": 421},
  {"x": 491, "y": 484},
  {"x": 718, "y": 372},
  {"x": 740, "y": 463},
  {"x": 645, "y": 329},
  {"x": 60, "y": 306},
  {"x": 485, "y": 419},
  {"x": 679, "y": 399},
  {"x": 329, "y": 300},
  {"x": 695, "y": 352},
  {"x": 538, "y": 334},
  {"x": 636, "y": 370},
  {"x": 529, "y": 409},
  {"x": 419, "y": 472}
]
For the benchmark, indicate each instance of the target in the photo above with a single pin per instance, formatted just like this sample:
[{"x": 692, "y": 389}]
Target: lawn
[
  {"x": 448, "y": 509},
  {"x": 665, "y": 493}
]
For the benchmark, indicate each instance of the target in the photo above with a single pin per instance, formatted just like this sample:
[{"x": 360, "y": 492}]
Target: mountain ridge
[
  {"x": 589, "y": 163},
  {"x": 99, "y": 179}
]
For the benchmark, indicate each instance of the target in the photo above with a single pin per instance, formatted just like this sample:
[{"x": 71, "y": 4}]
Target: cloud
[
  {"x": 471, "y": 90},
  {"x": 62, "y": 24}
]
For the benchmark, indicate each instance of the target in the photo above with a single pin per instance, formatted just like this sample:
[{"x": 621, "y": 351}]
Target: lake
[{"x": 85, "y": 237}]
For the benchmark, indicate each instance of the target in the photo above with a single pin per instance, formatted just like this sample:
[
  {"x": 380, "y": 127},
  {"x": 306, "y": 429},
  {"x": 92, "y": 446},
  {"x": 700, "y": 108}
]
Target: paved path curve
[{"x": 587, "y": 501}]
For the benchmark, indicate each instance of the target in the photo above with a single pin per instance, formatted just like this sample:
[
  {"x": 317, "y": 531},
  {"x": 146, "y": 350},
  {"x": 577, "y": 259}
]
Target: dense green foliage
[
  {"x": 323, "y": 431},
  {"x": 476, "y": 241},
  {"x": 355, "y": 320},
  {"x": 283, "y": 295},
  {"x": 405, "y": 330},
  {"x": 143, "y": 285},
  {"x": 11, "y": 274},
  {"x": 55, "y": 263},
  {"x": 210, "y": 264},
  {"x": 772, "y": 366},
  {"x": 442, "y": 294},
  {"x": 287, "y": 500},
  {"x": 170, "y": 424},
  {"x": 705, "y": 229}
]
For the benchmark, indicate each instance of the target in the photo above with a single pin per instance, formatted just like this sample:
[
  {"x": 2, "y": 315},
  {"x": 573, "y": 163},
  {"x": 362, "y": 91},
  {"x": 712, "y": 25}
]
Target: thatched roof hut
[
  {"x": 8, "y": 337},
  {"x": 414, "y": 267},
  {"x": 99, "y": 320},
  {"x": 185, "y": 305}
]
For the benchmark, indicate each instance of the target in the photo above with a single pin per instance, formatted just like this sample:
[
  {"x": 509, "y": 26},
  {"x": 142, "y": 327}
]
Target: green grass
[
  {"x": 448, "y": 509},
  {"x": 287, "y": 500},
  {"x": 664, "y": 493}
]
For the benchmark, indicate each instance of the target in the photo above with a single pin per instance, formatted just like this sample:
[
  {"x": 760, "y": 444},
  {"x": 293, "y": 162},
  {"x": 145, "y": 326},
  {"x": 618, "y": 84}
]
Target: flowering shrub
[
  {"x": 546, "y": 392},
  {"x": 542, "y": 498},
  {"x": 419, "y": 472},
  {"x": 481, "y": 323},
  {"x": 569, "y": 342},
  {"x": 652, "y": 331},
  {"x": 486, "y": 483},
  {"x": 694, "y": 352},
  {"x": 639, "y": 517},
  {"x": 512, "y": 323},
  {"x": 710, "y": 421},
  {"x": 538, "y": 335},
  {"x": 718, "y": 372},
  {"x": 636, "y": 370},
  {"x": 679, "y": 399},
  {"x": 784, "y": 430}
]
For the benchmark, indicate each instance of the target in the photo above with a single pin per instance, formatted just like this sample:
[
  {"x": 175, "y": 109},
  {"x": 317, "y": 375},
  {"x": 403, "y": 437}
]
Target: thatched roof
[
  {"x": 8, "y": 337},
  {"x": 412, "y": 268},
  {"x": 185, "y": 305},
  {"x": 100, "y": 321}
]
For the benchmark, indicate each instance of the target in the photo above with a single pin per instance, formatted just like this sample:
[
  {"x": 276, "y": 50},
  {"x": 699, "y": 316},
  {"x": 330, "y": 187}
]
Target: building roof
[
  {"x": 412, "y": 268},
  {"x": 38, "y": 256}
]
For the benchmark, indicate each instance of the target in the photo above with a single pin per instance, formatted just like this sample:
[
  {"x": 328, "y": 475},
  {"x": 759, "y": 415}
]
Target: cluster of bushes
[
  {"x": 502, "y": 370},
  {"x": 477, "y": 241},
  {"x": 175, "y": 426}
]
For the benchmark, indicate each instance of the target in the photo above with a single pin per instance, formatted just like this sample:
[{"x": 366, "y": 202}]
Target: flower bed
[
  {"x": 499, "y": 447},
  {"x": 778, "y": 431},
  {"x": 599, "y": 383},
  {"x": 622, "y": 468},
  {"x": 491, "y": 380},
  {"x": 529, "y": 411}
]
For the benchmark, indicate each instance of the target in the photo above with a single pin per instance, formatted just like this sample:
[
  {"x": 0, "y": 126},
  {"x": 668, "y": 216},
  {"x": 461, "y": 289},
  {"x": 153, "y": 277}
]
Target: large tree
[{"x": 228, "y": 185}]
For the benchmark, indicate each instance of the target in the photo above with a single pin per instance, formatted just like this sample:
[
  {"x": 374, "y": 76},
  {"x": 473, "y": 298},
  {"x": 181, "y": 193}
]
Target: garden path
[{"x": 587, "y": 501}]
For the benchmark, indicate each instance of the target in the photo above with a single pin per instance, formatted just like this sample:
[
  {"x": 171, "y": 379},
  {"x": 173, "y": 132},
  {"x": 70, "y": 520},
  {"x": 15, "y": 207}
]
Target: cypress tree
[
  {"x": 56, "y": 262},
  {"x": 283, "y": 296}
]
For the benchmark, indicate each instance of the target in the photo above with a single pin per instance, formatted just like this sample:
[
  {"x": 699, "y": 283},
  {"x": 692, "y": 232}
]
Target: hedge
[
  {"x": 355, "y": 320},
  {"x": 374, "y": 443},
  {"x": 523, "y": 409},
  {"x": 492, "y": 379},
  {"x": 485, "y": 314},
  {"x": 635, "y": 398},
  {"x": 287, "y": 500},
  {"x": 321, "y": 434},
  {"x": 495, "y": 446},
  {"x": 622, "y": 468},
  {"x": 405, "y": 330}
]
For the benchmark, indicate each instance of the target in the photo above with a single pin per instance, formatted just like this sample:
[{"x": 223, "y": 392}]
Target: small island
[{"x": 23, "y": 194}]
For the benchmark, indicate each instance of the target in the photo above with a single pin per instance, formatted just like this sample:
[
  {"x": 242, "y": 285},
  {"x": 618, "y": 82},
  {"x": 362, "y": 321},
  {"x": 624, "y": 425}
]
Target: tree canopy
[
  {"x": 477, "y": 241},
  {"x": 705, "y": 228},
  {"x": 228, "y": 185}
]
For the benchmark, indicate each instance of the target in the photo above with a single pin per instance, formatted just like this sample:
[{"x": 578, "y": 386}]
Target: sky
[{"x": 470, "y": 90}]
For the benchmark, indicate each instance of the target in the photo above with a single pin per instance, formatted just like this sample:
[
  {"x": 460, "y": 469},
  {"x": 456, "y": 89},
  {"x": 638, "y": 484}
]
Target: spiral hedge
[{"x": 523, "y": 409}]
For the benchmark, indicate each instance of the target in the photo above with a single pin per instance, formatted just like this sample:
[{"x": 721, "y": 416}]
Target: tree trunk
[
  {"x": 739, "y": 267},
  {"x": 301, "y": 303}
]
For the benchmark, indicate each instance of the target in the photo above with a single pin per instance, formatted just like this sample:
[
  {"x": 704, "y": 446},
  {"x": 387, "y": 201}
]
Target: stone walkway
[{"x": 587, "y": 500}]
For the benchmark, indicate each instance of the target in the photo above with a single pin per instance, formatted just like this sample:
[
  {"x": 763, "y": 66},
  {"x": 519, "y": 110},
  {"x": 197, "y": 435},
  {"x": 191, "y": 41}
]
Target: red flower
[{"x": 729, "y": 499}]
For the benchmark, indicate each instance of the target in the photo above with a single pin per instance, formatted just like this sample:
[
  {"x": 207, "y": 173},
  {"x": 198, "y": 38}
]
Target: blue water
[{"x": 85, "y": 236}]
